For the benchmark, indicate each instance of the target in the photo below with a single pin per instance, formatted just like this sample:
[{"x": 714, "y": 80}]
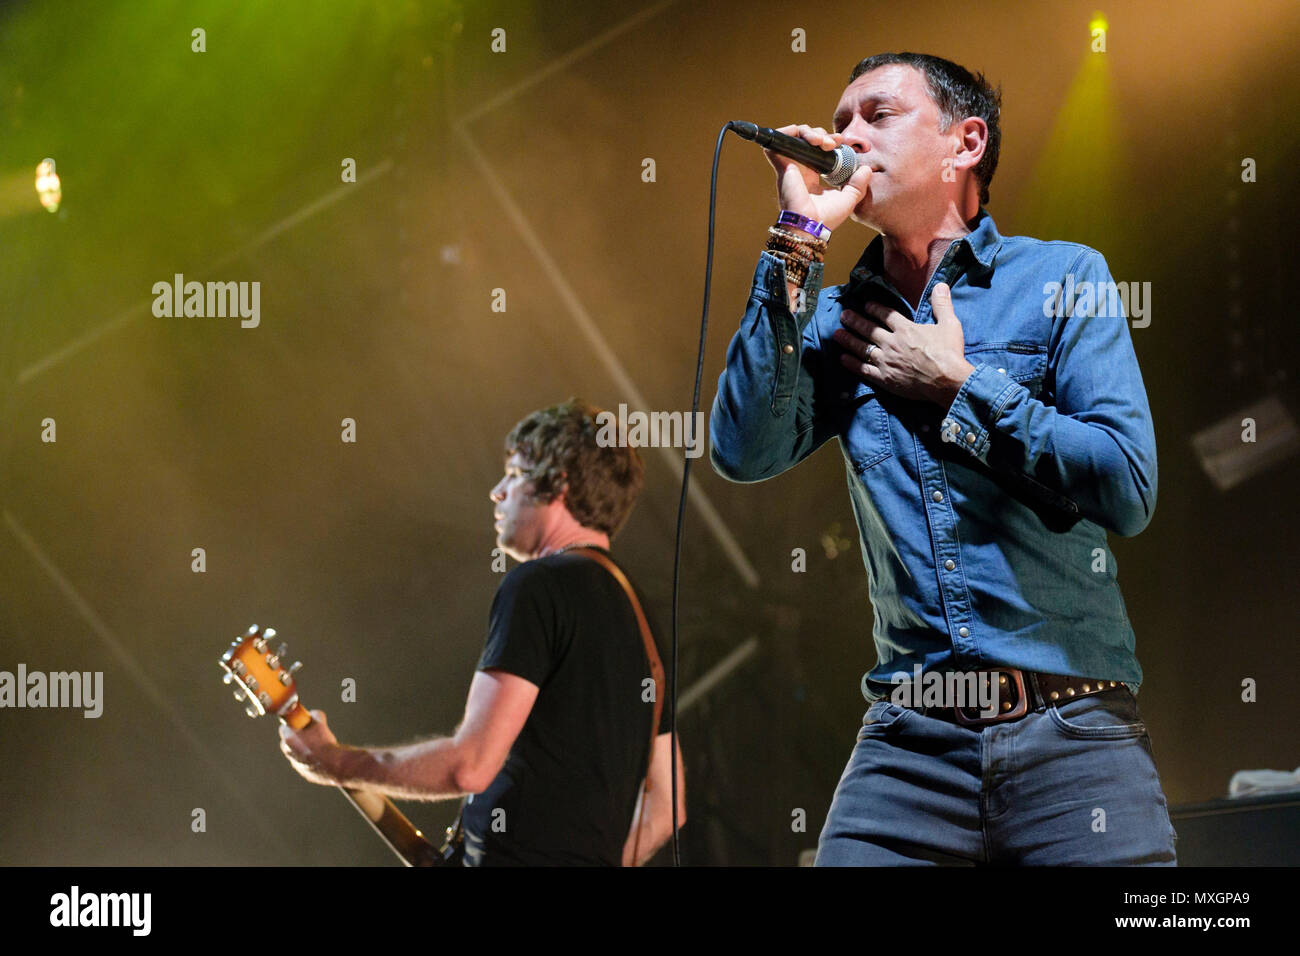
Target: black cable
[{"x": 686, "y": 480}]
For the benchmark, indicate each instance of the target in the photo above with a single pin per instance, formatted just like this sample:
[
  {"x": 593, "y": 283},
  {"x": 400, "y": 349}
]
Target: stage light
[
  {"x": 48, "y": 186},
  {"x": 1074, "y": 188},
  {"x": 1246, "y": 442}
]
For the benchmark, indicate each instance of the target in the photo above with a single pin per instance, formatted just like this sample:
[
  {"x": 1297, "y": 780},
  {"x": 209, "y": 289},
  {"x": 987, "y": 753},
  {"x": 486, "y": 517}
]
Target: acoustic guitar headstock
[{"x": 260, "y": 679}]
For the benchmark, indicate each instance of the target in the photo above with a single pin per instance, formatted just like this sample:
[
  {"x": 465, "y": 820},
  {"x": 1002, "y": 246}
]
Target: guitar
[{"x": 268, "y": 687}]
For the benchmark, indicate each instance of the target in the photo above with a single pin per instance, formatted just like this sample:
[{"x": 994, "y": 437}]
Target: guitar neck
[{"x": 399, "y": 833}]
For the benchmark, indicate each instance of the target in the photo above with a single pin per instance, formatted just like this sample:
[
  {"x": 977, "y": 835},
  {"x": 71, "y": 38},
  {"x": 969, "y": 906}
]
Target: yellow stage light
[{"x": 48, "y": 186}]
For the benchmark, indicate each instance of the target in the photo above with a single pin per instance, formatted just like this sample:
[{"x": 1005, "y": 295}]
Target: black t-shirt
[{"x": 568, "y": 790}]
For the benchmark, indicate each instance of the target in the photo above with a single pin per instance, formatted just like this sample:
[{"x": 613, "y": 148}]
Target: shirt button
[
  {"x": 964, "y": 631},
  {"x": 1003, "y": 371},
  {"x": 937, "y": 496},
  {"x": 950, "y": 564},
  {"x": 970, "y": 437},
  {"x": 788, "y": 349}
]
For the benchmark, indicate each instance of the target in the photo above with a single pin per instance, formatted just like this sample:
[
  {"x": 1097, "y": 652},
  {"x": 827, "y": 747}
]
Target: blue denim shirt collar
[{"x": 980, "y": 246}]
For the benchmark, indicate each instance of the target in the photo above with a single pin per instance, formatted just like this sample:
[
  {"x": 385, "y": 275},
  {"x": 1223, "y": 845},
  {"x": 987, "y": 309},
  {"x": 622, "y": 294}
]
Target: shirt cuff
[
  {"x": 770, "y": 286},
  {"x": 975, "y": 408}
]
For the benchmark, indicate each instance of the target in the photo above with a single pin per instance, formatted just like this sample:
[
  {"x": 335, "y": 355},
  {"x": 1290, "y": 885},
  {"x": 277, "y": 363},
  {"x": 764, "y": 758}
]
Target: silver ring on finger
[{"x": 870, "y": 347}]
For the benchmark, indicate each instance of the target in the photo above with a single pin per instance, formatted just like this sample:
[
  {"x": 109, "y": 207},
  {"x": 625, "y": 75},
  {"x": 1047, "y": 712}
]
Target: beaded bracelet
[
  {"x": 788, "y": 236},
  {"x": 803, "y": 253},
  {"x": 796, "y": 267},
  {"x": 795, "y": 273},
  {"x": 796, "y": 250},
  {"x": 798, "y": 260}
]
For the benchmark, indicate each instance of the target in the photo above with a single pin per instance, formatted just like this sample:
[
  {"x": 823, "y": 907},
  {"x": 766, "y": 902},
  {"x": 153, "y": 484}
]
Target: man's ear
[{"x": 972, "y": 138}]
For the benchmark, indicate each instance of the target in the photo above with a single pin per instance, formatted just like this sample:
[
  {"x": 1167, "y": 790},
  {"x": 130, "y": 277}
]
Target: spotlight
[
  {"x": 1097, "y": 30},
  {"x": 48, "y": 186}
]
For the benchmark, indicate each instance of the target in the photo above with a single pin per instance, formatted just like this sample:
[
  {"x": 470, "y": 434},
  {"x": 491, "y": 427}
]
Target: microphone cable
[{"x": 686, "y": 479}]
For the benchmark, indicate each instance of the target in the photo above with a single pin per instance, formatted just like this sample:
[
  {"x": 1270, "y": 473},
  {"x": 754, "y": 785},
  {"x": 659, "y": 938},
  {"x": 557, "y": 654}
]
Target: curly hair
[
  {"x": 958, "y": 95},
  {"x": 559, "y": 445}
]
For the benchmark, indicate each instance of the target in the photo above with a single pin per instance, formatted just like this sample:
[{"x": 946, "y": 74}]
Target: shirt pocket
[
  {"x": 1023, "y": 362},
  {"x": 863, "y": 425}
]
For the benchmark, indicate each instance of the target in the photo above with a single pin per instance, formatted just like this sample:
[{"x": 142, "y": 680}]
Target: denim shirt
[{"x": 983, "y": 524}]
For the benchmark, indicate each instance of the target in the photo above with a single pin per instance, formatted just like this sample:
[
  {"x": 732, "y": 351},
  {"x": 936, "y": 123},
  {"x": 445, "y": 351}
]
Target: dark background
[{"x": 522, "y": 171}]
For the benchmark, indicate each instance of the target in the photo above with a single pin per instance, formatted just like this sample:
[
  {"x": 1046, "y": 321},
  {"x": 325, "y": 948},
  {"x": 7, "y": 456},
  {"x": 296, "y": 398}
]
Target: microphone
[{"x": 836, "y": 166}]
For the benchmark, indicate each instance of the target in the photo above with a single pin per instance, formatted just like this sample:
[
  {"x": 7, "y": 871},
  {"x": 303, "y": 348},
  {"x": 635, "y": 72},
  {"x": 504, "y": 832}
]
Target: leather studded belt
[{"x": 1019, "y": 692}]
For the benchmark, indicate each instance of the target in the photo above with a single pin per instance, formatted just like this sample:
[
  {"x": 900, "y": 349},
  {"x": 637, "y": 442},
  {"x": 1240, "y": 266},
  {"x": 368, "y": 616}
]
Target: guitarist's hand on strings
[{"x": 313, "y": 751}]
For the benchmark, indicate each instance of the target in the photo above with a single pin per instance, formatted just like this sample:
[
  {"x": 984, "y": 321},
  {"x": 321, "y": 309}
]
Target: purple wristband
[{"x": 810, "y": 226}]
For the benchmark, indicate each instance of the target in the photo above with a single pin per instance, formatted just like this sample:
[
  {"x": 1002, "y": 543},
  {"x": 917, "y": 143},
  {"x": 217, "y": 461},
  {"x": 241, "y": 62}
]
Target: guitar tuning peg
[
  {"x": 294, "y": 666},
  {"x": 239, "y": 696},
  {"x": 250, "y": 710},
  {"x": 228, "y": 678},
  {"x": 252, "y": 629},
  {"x": 282, "y": 650},
  {"x": 269, "y": 634}
]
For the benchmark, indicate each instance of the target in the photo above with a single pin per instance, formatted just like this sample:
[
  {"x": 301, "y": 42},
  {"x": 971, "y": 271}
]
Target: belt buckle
[{"x": 1022, "y": 701}]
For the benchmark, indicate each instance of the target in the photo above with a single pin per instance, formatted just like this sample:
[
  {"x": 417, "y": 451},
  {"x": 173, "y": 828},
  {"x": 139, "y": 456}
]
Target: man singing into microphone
[{"x": 994, "y": 430}]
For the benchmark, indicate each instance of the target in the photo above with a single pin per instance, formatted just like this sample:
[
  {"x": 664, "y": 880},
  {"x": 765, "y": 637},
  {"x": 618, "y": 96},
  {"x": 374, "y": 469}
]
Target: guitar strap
[
  {"x": 656, "y": 672},
  {"x": 453, "y": 849}
]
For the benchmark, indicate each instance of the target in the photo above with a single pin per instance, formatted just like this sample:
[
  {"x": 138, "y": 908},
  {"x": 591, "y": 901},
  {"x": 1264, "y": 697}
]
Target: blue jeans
[{"x": 1074, "y": 783}]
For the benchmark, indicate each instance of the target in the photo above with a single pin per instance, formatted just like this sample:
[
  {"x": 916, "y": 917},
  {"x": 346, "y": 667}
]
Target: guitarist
[{"x": 553, "y": 750}]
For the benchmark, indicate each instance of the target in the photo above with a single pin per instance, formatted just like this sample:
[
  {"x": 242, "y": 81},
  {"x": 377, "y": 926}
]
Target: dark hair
[
  {"x": 559, "y": 445},
  {"x": 958, "y": 96}
]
